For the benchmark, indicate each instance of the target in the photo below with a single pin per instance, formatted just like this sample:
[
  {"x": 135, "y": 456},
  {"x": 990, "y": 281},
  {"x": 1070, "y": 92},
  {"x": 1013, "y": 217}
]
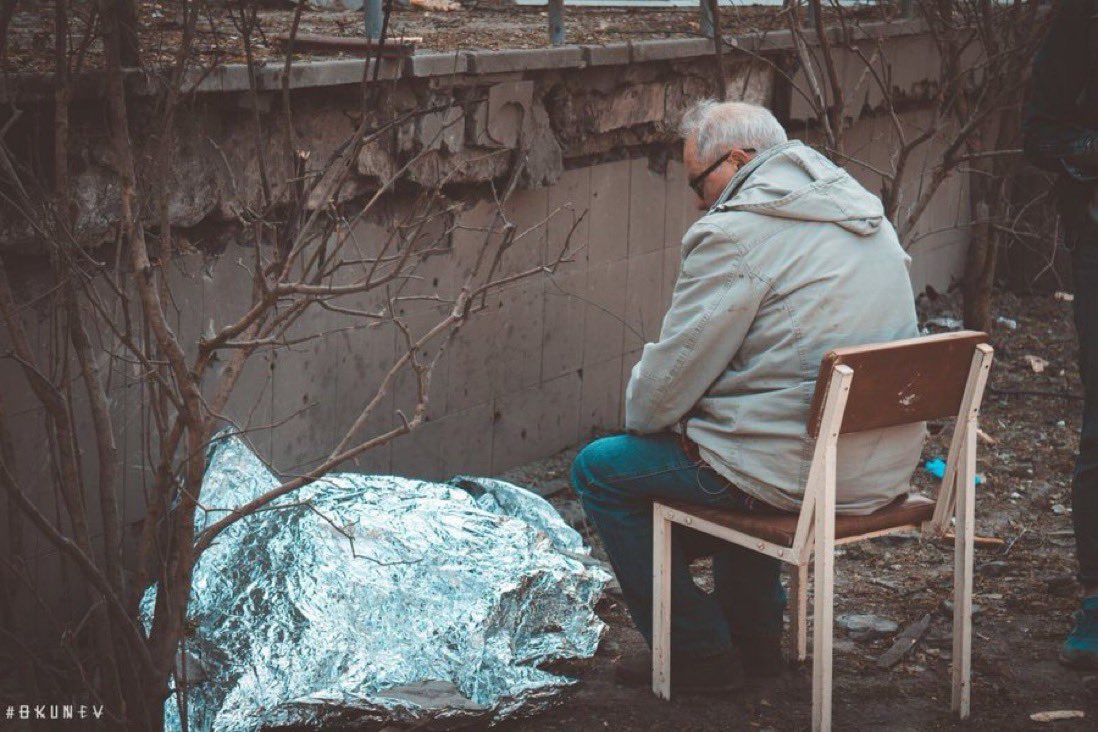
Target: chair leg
[
  {"x": 798, "y": 614},
  {"x": 823, "y": 609},
  {"x": 661, "y": 604},
  {"x": 823, "y": 604},
  {"x": 962, "y": 577}
]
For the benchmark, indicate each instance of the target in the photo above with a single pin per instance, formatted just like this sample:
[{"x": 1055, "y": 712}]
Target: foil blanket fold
[{"x": 361, "y": 599}]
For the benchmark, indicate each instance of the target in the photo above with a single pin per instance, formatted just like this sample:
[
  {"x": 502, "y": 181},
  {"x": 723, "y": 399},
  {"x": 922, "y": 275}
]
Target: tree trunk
[
  {"x": 979, "y": 267},
  {"x": 145, "y": 701},
  {"x": 128, "y": 41}
]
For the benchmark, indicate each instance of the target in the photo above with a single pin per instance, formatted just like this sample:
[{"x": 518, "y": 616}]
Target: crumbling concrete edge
[{"x": 230, "y": 78}]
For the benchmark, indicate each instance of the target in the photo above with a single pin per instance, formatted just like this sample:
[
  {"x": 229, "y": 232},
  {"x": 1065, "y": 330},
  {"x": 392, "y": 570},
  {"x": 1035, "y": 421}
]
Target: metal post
[
  {"x": 707, "y": 28},
  {"x": 556, "y": 22},
  {"x": 374, "y": 17},
  {"x": 718, "y": 43}
]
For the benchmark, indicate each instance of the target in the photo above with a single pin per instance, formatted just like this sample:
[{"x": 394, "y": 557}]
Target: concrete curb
[{"x": 232, "y": 78}]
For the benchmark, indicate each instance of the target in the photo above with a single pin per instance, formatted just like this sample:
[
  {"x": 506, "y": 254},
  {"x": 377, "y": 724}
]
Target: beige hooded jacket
[{"x": 794, "y": 259}]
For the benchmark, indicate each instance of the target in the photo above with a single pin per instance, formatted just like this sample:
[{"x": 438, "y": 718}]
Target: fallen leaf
[{"x": 1036, "y": 363}]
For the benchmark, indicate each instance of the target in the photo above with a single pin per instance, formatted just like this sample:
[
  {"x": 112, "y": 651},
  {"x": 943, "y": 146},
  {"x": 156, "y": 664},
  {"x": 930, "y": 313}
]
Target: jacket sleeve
[
  {"x": 1060, "y": 74},
  {"x": 715, "y": 301}
]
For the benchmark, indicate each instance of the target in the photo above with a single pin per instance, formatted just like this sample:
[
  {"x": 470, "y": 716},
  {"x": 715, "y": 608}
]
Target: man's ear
[{"x": 739, "y": 157}]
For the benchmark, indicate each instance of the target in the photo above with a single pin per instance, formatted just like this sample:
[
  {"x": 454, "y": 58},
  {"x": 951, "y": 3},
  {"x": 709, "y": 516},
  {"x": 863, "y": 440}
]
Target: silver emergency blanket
[{"x": 360, "y": 599}]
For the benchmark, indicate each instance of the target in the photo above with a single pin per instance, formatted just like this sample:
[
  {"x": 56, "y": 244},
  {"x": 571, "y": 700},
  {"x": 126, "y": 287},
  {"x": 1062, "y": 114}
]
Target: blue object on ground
[{"x": 937, "y": 468}]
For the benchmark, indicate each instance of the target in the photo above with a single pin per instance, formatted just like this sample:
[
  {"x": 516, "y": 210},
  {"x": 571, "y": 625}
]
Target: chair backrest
[{"x": 899, "y": 382}]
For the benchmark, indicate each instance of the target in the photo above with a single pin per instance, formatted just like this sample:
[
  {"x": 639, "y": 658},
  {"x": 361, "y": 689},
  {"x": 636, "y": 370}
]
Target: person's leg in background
[{"x": 1081, "y": 646}]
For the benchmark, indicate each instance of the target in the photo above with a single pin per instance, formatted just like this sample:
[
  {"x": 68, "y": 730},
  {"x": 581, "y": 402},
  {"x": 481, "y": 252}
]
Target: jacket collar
[{"x": 745, "y": 172}]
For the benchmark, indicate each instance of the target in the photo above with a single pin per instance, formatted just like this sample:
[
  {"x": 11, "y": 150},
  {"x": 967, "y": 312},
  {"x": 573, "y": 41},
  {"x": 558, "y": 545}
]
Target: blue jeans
[{"x": 617, "y": 478}]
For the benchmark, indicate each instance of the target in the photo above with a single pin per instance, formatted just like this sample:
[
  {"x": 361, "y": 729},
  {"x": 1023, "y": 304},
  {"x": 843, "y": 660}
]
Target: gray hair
[{"x": 718, "y": 126}]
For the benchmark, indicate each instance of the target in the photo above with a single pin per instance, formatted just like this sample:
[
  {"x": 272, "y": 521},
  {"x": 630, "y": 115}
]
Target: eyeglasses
[{"x": 696, "y": 182}]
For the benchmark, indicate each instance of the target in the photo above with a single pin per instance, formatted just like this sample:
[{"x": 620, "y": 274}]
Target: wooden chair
[{"x": 859, "y": 388}]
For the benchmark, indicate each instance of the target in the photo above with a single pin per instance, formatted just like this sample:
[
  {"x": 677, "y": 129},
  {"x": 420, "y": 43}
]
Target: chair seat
[{"x": 779, "y": 528}]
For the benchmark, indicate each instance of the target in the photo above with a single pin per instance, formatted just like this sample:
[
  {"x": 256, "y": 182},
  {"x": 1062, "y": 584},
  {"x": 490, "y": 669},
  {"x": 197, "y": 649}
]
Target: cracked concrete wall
[
  {"x": 544, "y": 367},
  {"x": 466, "y": 129}
]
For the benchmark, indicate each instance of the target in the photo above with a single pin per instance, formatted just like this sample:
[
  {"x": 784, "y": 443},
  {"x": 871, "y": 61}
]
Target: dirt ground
[
  {"x": 1024, "y": 588},
  {"x": 483, "y": 25}
]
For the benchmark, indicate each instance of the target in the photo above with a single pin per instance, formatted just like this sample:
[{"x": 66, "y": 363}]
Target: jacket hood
[{"x": 793, "y": 181}]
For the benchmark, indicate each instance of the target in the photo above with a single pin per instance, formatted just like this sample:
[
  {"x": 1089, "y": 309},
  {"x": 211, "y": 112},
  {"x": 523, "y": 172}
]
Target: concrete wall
[
  {"x": 544, "y": 366},
  {"x": 938, "y": 242}
]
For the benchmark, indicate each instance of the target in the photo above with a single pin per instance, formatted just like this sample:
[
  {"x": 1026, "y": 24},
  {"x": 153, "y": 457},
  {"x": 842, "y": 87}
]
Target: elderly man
[{"x": 792, "y": 258}]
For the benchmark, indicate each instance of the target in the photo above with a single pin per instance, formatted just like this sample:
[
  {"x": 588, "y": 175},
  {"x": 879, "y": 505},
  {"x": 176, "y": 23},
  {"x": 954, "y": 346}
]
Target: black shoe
[
  {"x": 762, "y": 655},
  {"x": 718, "y": 674}
]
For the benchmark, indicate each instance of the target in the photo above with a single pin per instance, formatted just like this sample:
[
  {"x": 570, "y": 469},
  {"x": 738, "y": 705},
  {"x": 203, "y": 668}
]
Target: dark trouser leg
[
  {"x": 748, "y": 587},
  {"x": 750, "y": 593},
  {"x": 1084, "y": 487}
]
